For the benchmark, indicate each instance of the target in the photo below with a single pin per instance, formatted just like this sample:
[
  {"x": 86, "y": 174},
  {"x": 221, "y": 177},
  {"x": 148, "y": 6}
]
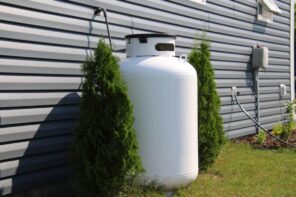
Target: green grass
[
  {"x": 243, "y": 171},
  {"x": 240, "y": 170}
]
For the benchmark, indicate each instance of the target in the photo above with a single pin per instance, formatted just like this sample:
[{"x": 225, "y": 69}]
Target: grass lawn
[
  {"x": 243, "y": 171},
  {"x": 240, "y": 170}
]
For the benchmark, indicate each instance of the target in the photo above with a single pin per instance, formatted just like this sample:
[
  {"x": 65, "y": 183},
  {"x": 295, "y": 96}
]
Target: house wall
[{"x": 43, "y": 43}]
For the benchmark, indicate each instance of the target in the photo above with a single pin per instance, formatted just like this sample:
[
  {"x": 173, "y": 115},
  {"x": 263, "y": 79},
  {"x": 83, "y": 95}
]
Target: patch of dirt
[
  {"x": 270, "y": 142},
  {"x": 215, "y": 175}
]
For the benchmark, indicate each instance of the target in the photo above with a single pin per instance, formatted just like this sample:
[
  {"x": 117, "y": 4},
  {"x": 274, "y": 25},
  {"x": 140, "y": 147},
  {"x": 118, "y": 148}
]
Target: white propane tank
[{"x": 163, "y": 91}]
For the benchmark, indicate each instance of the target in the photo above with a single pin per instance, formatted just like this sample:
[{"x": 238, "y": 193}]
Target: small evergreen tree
[
  {"x": 105, "y": 151},
  {"x": 210, "y": 126}
]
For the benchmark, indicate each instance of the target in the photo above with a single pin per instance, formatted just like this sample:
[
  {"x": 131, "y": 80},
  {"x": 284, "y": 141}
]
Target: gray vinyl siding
[{"x": 43, "y": 43}]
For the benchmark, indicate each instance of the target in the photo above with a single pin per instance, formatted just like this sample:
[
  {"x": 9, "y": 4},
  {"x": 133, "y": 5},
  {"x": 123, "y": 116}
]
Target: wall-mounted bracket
[{"x": 98, "y": 11}]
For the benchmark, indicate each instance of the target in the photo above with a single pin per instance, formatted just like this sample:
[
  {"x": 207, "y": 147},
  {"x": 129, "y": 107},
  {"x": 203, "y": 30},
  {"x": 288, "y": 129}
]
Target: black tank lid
[{"x": 151, "y": 35}]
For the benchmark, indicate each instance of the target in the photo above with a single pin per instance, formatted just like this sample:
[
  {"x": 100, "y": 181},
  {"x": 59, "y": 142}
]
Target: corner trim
[{"x": 292, "y": 80}]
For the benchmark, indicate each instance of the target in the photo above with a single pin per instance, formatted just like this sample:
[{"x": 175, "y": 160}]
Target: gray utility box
[{"x": 260, "y": 57}]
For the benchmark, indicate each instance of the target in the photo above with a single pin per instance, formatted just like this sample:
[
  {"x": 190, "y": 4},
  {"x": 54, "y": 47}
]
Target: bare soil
[{"x": 270, "y": 142}]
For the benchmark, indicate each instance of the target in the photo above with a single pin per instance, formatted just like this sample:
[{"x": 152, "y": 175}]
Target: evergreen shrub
[
  {"x": 105, "y": 151},
  {"x": 210, "y": 127}
]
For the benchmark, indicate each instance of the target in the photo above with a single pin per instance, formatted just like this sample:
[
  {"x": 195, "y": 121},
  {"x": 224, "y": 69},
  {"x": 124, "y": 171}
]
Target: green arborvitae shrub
[
  {"x": 210, "y": 126},
  {"x": 105, "y": 152}
]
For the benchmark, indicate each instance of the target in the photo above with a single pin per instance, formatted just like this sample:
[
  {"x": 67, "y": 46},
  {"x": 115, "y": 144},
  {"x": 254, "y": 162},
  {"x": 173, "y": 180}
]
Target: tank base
[{"x": 169, "y": 183}]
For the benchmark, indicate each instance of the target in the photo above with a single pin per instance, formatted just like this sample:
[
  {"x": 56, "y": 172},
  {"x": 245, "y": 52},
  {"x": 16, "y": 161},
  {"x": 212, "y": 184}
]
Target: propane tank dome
[{"x": 158, "y": 44}]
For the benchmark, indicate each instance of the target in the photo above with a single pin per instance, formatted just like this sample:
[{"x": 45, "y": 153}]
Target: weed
[{"x": 261, "y": 137}]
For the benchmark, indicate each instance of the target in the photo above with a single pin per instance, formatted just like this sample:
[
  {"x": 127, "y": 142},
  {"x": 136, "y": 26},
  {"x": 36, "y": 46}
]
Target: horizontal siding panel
[
  {"x": 30, "y": 115},
  {"x": 251, "y": 98},
  {"x": 38, "y": 178},
  {"x": 240, "y": 132},
  {"x": 38, "y": 146},
  {"x": 143, "y": 24},
  {"x": 245, "y": 131},
  {"x": 236, "y": 116},
  {"x": 278, "y": 61},
  {"x": 72, "y": 10},
  {"x": 39, "y": 83},
  {"x": 76, "y": 40},
  {"x": 242, "y": 99},
  {"x": 228, "y": 65},
  {"x": 228, "y": 91},
  {"x": 249, "y": 91},
  {"x": 232, "y": 108},
  {"x": 58, "y": 7},
  {"x": 233, "y": 74},
  {"x": 244, "y": 42},
  {"x": 248, "y": 123},
  {"x": 238, "y": 83},
  {"x": 285, "y": 1},
  {"x": 229, "y": 109},
  {"x": 258, "y": 28},
  {"x": 272, "y": 82},
  {"x": 53, "y": 37},
  {"x": 12, "y": 48},
  {"x": 42, "y": 51},
  {"x": 264, "y": 112},
  {"x": 188, "y": 43},
  {"x": 248, "y": 34},
  {"x": 33, "y": 163},
  {"x": 195, "y": 11},
  {"x": 24, "y": 66},
  {"x": 229, "y": 57},
  {"x": 224, "y": 54},
  {"x": 24, "y": 99},
  {"x": 46, "y": 20},
  {"x": 269, "y": 104},
  {"x": 276, "y": 68},
  {"x": 277, "y": 54},
  {"x": 44, "y": 35},
  {"x": 229, "y": 127},
  {"x": 65, "y": 53},
  {"x": 266, "y": 90},
  {"x": 238, "y": 43},
  {"x": 272, "y": 97},
  {"x": 34, "y": 131},
  {"x": 283, "y": 6},
  {"x": 41, "y": 35}
]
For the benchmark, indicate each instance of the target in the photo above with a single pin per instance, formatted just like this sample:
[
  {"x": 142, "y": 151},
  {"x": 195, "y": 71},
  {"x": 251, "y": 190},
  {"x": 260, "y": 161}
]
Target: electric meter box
[{"x": 260, "y": 57}]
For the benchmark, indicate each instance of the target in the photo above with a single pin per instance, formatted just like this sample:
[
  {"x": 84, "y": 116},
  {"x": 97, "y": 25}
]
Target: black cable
[
  {"x": 265, "y": 130},
  {"x": 104, "y": 10}
]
